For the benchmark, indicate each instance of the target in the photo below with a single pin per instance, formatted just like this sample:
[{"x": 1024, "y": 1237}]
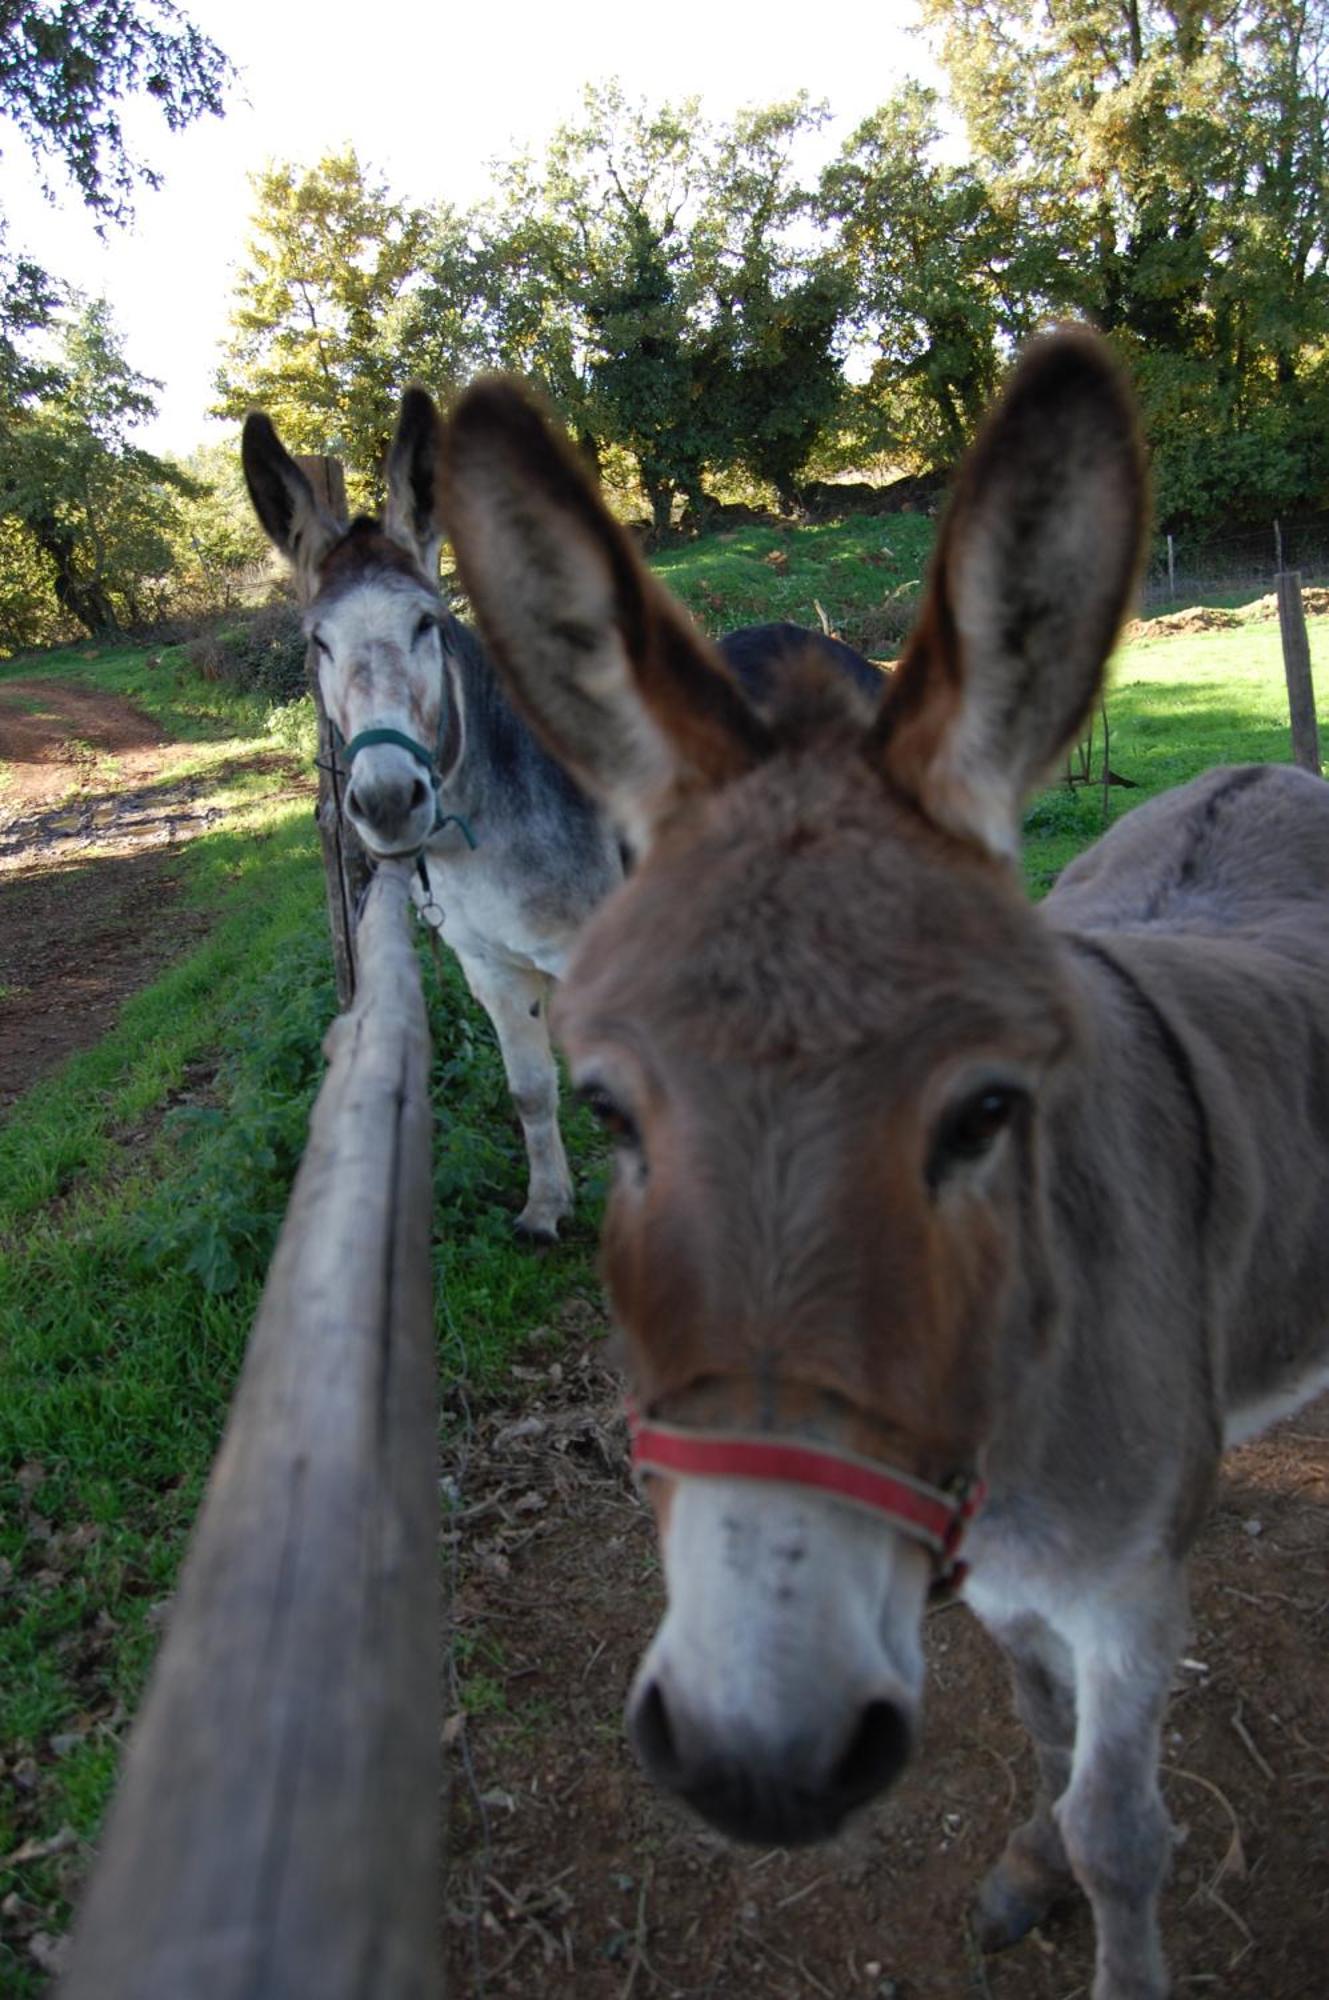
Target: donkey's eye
[
  {"x": 612, "y": 1118},
  {"x": 427, "y": 623},
  {"x": 321, "y": 645},
  {"x": 973, "y": 1128}
]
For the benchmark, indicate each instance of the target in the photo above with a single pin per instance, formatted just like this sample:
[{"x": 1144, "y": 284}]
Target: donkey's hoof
[
  {"x": 1005, "y": 1911},
  {"x": 537, "y": 1231}
]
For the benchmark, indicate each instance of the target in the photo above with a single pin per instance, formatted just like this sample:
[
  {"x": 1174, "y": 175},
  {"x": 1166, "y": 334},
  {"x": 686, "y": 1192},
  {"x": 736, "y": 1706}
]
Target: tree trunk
[
  {"x": 661, "y": 499},
  {"x": 87, "y": 602}
]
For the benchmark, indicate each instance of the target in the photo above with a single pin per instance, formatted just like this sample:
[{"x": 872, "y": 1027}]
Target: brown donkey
[{"x": 917, "y": 1186}]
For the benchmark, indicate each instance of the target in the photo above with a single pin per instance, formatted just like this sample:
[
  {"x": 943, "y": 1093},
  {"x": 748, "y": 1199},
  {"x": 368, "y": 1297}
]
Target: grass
[
  {"x": 141, "y": 1187},
  {"x": 1176, "y": 706},
  {"x": 864, "y": 574}
]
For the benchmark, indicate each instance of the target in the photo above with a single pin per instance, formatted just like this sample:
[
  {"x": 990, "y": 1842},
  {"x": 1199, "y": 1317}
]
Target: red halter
[{"x": 932, "y": 1515}]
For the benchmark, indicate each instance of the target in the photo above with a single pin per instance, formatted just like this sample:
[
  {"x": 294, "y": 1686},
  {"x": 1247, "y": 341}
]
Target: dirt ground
[
  {"x": 569, "y": 1876},
  {"x": 90, "y": 829}
]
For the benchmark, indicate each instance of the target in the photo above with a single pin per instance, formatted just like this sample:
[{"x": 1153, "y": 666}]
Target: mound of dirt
[
  {"x": 1214, "y": 618},
  {"x": 1314, "y": 602},
  {"x": 1198, "y": 618}
]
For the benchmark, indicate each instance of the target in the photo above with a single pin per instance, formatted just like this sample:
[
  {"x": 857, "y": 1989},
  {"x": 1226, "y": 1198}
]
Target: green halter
[{"x": 368, "y": 737}]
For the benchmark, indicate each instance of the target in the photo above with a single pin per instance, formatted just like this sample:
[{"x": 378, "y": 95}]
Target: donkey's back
[
  {"x": 1244, "y": 849},
  {"x": 1202, "y": 921}
]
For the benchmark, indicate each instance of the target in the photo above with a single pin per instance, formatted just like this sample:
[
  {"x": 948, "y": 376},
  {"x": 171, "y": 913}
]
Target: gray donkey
[
  {"x": 920, "y": 1189},
  {"x": 514, "y": 853}
]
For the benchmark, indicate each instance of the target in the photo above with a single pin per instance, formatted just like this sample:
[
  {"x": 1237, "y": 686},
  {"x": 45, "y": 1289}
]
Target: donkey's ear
[
  {"x": 412, "y": 514},
  {"x": 284, "y": 502},
  {"x": 1033, "y": 571},
  {"x": 632, "y": 700}
]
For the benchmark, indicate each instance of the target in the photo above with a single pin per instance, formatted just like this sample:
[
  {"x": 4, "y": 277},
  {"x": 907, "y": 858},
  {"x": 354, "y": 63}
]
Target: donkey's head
[
  {"x": 373, "y": 613},
  {"x": 822, "y": 1024}
]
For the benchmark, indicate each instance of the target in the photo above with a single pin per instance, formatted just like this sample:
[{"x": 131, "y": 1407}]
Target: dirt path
[
  {"x": 90, "y": 828},
  {"x": 572, "y": 1879}
]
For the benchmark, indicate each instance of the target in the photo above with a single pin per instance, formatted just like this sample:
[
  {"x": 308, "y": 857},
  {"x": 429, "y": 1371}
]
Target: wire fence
[{"x": 1181, "y": 565}]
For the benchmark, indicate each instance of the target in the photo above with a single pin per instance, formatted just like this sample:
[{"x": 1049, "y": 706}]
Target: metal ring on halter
[{"x": 430, "y": 912}]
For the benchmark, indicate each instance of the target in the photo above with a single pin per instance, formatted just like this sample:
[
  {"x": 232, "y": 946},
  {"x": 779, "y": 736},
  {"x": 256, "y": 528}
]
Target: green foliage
[
  {"x": 85, "y": 508},
  {"x": 220, "y": 552},
  {"x": 929, "y": 258},
  {"x": 321, "y": 311},
  {"x": 65, "y": 64},
  {"x": 263, "y": 650},
  {"x": 1173, "y": 162}
]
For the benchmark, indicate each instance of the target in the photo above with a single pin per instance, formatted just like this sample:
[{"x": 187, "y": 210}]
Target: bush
[{"x": 263, "y": 650}]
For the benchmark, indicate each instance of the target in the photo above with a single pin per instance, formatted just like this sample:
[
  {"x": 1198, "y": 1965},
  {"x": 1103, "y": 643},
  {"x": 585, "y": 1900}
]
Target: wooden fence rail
[{"x": 276, "y": 1830}]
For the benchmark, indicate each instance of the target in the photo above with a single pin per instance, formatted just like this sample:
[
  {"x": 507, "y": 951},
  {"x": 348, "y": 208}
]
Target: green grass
[
  {"x": 1176, "y": 706},
  {"x": 864, "y": 573}
]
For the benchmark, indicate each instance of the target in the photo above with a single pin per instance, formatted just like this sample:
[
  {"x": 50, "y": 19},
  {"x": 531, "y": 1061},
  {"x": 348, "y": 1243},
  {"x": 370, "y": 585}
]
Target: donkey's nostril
[
  {"x": 652, "y": 1735},
  {"x": 876, "y": 1753},
  {"x": 419, "y": 794},
  {"x": 353, "y": 801}
]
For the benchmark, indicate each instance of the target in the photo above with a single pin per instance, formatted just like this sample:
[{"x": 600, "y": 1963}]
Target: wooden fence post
[
  {"x": 276, "y": 1830},
  {"x": 346, "y": 871},
  {"x": 345, "y": 864},
  {"x": 1297, "y": 667},
  {"x": 328, "y": 479}
]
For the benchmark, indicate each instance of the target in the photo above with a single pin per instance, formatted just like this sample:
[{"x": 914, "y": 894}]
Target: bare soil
[
  {"x": 91, "y": 825},
  {"x": 1215, "y": 618},
  {"x": 569, "y": 1876}
]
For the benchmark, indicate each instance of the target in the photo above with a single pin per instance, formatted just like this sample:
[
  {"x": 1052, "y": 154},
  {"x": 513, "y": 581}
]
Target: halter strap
[
  {"x": 368, "y": 737},
  {"x": 933, "y": 1515}
]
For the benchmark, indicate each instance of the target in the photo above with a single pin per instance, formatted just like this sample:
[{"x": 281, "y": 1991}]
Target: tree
[
  {"x": 217, "y": 545},
  {"x": 647, "y": 274},
  {"x": 927, "y": 255},
  {"x": 322, "y": 311},
  {"x": 96, "y": 509},
  {"x": 1175, "y": 158},
  {"x": 64, "y": 66},
  {"x": 775, "y": 304}
]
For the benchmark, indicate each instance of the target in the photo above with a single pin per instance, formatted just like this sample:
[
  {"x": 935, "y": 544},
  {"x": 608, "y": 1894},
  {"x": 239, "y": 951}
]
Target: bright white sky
[{"x": 428, "y": 97}]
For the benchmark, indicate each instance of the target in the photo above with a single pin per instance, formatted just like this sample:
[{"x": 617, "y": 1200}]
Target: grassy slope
[
  {"x": 141, "y": 1187},
  {"x": 864, "y": 574}
]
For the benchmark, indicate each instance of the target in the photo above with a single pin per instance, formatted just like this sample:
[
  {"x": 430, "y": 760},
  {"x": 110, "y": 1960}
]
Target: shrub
[{"x": 263, "y": 650}]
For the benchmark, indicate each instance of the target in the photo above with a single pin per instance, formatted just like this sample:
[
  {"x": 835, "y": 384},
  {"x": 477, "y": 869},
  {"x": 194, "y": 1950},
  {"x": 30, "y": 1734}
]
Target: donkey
[
  {"x": 513, "y": 853},
  {"x": 917, "y": 1186}
]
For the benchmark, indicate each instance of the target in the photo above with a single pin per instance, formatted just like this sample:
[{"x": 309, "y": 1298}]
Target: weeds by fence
[{"x": 1182, "y": 564}]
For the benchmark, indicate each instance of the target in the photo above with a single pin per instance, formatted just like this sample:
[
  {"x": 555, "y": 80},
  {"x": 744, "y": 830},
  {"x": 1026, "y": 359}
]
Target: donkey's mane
[{"x": 365, "y": 547}]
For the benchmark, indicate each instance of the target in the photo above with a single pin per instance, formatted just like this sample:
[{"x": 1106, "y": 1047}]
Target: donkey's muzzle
[
  {"x": 775, "y": 1797},
  {"x": 390, "y": 802}
]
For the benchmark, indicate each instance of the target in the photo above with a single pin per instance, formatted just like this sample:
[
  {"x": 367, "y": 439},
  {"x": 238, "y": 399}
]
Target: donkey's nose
[
  {"x": 388, "y": 805},
  {"x": 778, "y": 1796}
]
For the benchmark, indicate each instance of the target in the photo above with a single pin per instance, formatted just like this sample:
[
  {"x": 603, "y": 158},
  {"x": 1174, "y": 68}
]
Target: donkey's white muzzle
[
  {"x": 390, "y": 800},
  {"x": 783, "y": 1686}
]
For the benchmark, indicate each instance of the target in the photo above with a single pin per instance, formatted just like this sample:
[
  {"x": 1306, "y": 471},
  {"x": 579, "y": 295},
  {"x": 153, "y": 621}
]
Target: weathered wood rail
[{"x": 276, "y": 1830}]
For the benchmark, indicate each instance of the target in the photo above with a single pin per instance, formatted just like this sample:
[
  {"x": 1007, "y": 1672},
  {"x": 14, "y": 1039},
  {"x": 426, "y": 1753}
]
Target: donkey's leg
[
  {"x": 1112, "y": 1818},
  {"x": 516, "y": 999},
  {"x": 1033, "y": 1872}
]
